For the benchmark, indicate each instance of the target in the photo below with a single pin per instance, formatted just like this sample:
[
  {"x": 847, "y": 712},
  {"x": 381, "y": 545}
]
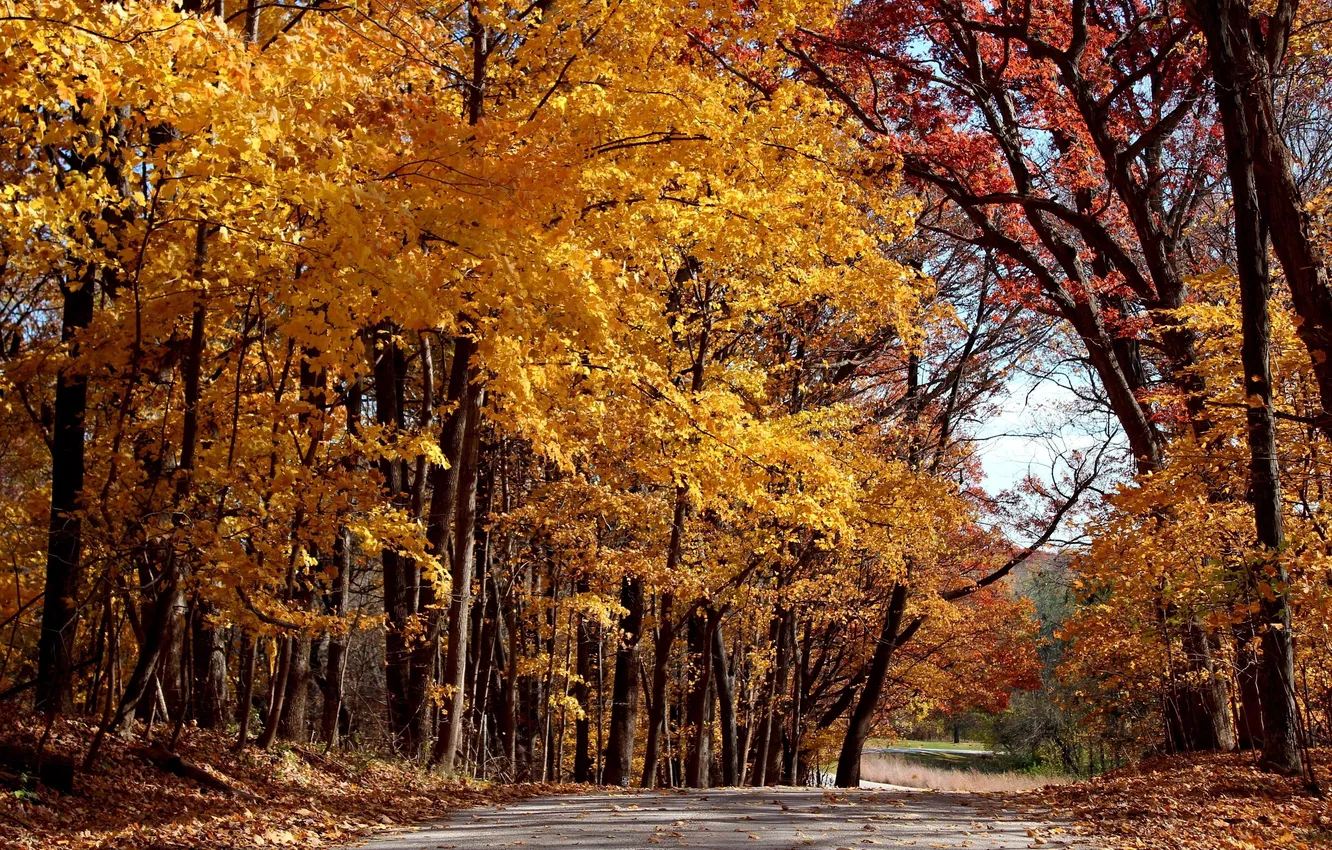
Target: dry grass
[{"x": 895, "y": 770}]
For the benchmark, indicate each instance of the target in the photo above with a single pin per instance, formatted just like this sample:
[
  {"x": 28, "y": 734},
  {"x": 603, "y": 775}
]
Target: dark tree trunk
[
  {"x": 776, "y": 726},
  {"x": 730, "y": 759},
  {"x": 1216, "y": 729},
  {"x": 510, "y": 694},
  {"x": 490, "y": 660},
  {"x": 64, "y": 554},
  {"x": 1249, "y": 706},
  {"x": 624, "y": 692},
  {"x": 796, "y": 715},
  {"x": 398, "y": 585},
  {"x": 665, "y": 621},
  {"x": 661, "y": 658},
  {"x": 546, "y": 716},
  {"x": 1254, "y": 50},
  {"x": 245, "y": 701},
  {"x": 1228, "y": 30},
  {"x": 161, "y": 630},
  {"x": 699, "y": 710},
  {"x": 529, "y": 728},
  {"x": 760, "y": 771},
  {"x": 858, "y": 730},
  {"x": 335, "y": 673},
  {"x": 278, "y": 688}
]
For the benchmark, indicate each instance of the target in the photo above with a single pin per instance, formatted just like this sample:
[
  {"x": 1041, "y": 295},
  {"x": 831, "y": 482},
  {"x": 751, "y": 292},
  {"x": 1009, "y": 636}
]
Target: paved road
[{"x": 756, "y": 819}]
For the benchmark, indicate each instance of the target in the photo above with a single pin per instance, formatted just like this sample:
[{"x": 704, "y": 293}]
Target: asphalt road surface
[{"x": 770, "y": 819}]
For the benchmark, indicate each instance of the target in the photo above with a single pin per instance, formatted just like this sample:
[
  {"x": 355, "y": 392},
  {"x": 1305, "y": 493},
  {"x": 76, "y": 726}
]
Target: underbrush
[{"x": 285, "y": 796}]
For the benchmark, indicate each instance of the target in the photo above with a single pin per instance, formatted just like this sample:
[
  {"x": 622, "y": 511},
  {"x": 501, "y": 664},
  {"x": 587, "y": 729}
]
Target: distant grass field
[
  {"x": 937, "y": 755},
  {"x": 926, "y": 745},
  {"x": 918, "y": 772}
]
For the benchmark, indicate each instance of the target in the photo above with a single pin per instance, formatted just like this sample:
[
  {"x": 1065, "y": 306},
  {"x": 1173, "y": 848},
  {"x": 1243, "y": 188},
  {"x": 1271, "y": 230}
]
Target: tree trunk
[
  {"x": 464, "y": 550},
  {"x": 398, "y": 609},
  {"x": 338, "y": 598},
  {"x": 730, "y": 761},
  {"x": 64, "y": 554},
  {"x": 210, "y": 671},
  {"x": 624, "y": 692},
  {"x": 582, "y": 690},
  {"x": 1216, "y": 727},
  {"x": 1249, "y": 708},
  {"x": 160, "y": 632},
  {"x": 1255, "y": 51},
  {"x": 699, "y": 713},
  {"x": 245, "y": 703},
  {"x": 336, "y": 669},
  {"x": 777, "y": 729},
  {"x": 661, "y": 658},
  {"x": 791, "y": 759},
  {"x": 858, "y": 730},
  {"x": 509, "y": 719},
  {"x": 1226, "y": 25},
  {"x": 278, "y": 686},
  {"x": 760, "y": 772},
  {"x": 294, "y": 722},
  {"x": 490, "y": 659},
  {"x": 443, "y": 507},
  {"x": 170, "y": 668}
]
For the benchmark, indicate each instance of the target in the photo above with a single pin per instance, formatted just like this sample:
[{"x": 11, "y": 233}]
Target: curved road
[{"x": 723, "y": 819}]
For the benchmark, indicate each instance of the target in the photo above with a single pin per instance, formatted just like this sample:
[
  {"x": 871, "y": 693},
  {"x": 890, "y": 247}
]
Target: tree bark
[
  {"x": 699, "y": 713},
  {"x": 210, "y": 671},
  {"x": 1256, "y": 50},
  {"x": 776, "y": 726},
  {"x": 624, "y": 692},
  {"x": 245, "y": 702},
  {"x": 464, "y": 537},
  {"x": 64, "y": 554},
  {"x": 1226, "y": 25},
  {"x": 661, "y": 657},
  {"x": 278, "y": 686},
  {"x": 443, "y": 507},
  {"x": 294, "y": 722},
  {"x": 335, "y": 673},
  {"x": 582, "y": 690},
  {"x": 509, "y": 717},
  {"x": 1215, "y": 723},
  {"x": 338, "y": 598},
  {"x": 760, "y": 771},
  {"x": 730, "y": 761},
  {"x": 858, "y": 730},
  {"x": 398, "y": 610}
]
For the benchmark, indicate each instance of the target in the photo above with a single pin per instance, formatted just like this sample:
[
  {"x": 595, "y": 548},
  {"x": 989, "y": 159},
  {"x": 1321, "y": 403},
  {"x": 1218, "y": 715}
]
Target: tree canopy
[{"x": 599, "y": 390}]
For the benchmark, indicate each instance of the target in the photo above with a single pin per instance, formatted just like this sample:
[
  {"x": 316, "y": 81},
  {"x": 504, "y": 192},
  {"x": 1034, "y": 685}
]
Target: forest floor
[
  {"x": 1210, "y": 801},
  {"x": 283, "y": 797}
]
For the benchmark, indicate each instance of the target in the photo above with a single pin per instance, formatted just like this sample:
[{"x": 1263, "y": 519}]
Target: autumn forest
[{"x": 521, "y": 393}]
